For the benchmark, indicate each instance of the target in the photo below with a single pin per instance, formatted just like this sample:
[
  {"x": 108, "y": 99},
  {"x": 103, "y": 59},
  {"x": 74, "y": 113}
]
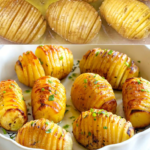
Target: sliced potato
[
  {"x": 74, "y": 20},
  {"x": 130, "y": 18},
  {"x": 97, "y": 128},
  {"x": 13, "y": 111},
  {"x": 44, "y": 134},
  {"x": 92, "y": 91},
  {"x": 116, "y": 67},
  {"x": 136, "y": 101}
]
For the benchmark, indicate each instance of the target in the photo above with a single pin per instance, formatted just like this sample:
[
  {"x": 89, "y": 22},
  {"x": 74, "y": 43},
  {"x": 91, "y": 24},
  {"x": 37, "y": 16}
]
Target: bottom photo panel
[{"x": 74, "y": 97}]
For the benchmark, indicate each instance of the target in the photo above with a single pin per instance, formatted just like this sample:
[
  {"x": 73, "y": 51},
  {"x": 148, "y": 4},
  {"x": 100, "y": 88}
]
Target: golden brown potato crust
[
  {"x": 28, "y": 68},
  {"x": 136, "y": 101},
  {"x": 48, "y": 99},
  {"x": 92, "y": 91},
  {"x": 13, "y": 111},
  {"x": 20, "y": 22},
  {"x": 97, "y": 128},
  {"x": 45, "y": 135},
  {"x": 57, "y": 61},
  {"x": 130, "y": 18},
  {"x": 74, "y": 20},
  {"x": 116, "y": 67}
]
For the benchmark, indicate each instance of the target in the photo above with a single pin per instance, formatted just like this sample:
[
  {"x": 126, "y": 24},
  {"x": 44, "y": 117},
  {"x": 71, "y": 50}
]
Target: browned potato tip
[
  {"x": 48, "y": 99},
  {"x": 97, "y": 128},
  {"x": 92, "y": 91},
  {"x": 136, "y": 101},
  {"x": 44, "y": 134},
  {"x": 13, "y": 111},
  {"x": 57, "y": 61},
  {"x": 130, "y": 18},
  {"x": 74, "y": 20},
  {"x": 20, "y": 22},
  {"x": 28, "y": 69},
  {"x": 115, "y": 66}
]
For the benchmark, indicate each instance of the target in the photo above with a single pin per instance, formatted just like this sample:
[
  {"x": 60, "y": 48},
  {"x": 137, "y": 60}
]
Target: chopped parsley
[
  {"x": 94, "y": 119},
  {"x": 61, "y": 58},
  {"x": 127, "y": 64},
  {"x": 42, "y": 89},
  {"x": 67, "y": 105},
  {"x": 70, "y": 77},
  {"x": 95, "y": 75},
  {"x": 51, "y": 98},
  {"x": 40, "y": 45},
  {"x": 97, "y": 53},
  {"x": 4, "y": 91},
  {"x": 50, "y": 81},
  {"x": 85, "y": 80},
  {"x": 49, "y": 131},
  {"x": 144, "y": 90},
  {"x": 28, "y": 53},
  {"x": 72, "y": 117},
  {"x": 110, "y": 52},
  {"x": 74, "y": 74},
  {"x": 96, "y": 82},
  {"x": 13, "y": 84},
  {"x": 66, "y": 126},
  {"x": 4, "y": 131},
  {"x": 22, "y": 98},
  {"x": 138, "y": 81},
  {"x": 77, "y": 125},
  {"x": 139, "y": 61},
  {"x": 66, "y": 111},
  {"x": 32, "y": 124},
  {"x": 89, "y": 133},
  {"x": 28, "y": 91},
  {"x": 103, "y": 77},
  {"x": 47, "y": 123},
  {"x": 94, "y": 114},
  {"x": 91, "y": 110},
  {"x": 40, "y": 61},
  {"x": 104, "y": 127}
]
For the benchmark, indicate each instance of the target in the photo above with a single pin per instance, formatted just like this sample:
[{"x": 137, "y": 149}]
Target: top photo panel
[{"x": 74, "y": 21}]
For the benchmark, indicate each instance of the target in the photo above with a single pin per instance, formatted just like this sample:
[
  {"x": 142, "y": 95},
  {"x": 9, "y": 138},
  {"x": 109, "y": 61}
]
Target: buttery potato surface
[
  {"x": 20, "y": 22},
  {"x": 136, "y": 101},
  {"x": 97, "y": 128},
  {"x": 48, "y": 99},
  {"x": 13, "y": 111},
  {"x": 29, "y": 68},
  {"x": 74, "y": 20},
  {"x": 44, "y": 134},
  {"x": 130, "y": 18},
  {"x": 92, "y": 91},
  {"x": 116, "y": 67},
  {"x": 57, "y": 61}
]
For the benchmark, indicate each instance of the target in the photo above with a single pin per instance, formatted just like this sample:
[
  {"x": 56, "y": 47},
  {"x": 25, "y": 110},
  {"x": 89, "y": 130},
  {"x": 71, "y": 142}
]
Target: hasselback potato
[
  {"x": 115, "y": 66},
  {"x": 29, "y": 68},
  {"x": 13, "y": 111},
  {"x": 74, "y": 20},
  {"x": 20, "y": 22},
  {"x": 136, "y": 101},
  {"x": 44, "y": 134},
  {"x": 57, "y": 61},
  {"x": 130, "y": 18},
  {"x": 92, "y": 91},
  {"x": 97, "y": 128},
  {"x": 48, "y": 99}
]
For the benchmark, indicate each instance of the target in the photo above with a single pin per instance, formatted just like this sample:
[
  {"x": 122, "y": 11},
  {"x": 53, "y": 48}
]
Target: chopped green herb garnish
[
  {"x": 143, "y": 90},
  {"x": 110, "y": 52},
  {"x": 66, "y": 111},
  {"x": 89, "y": 133},
  {"x": 77, "y": 125},
  {"x": 97, "y": 53},
  {"x": 42, "y": 89},
  {"x": 47, "y": 123},
  {"x": 85, "y": 86},
  {"x": 48, "y": 131},
  {"x": 61, "y": 58},
  {"x": 72, "y": 117},
  {"x": 127, "y": 64},
  {"x": 138, "y": 81},
  {"x": 104, "y": 127},
  {"x": 91, "y": 110},
  {"x": 10, "y": 87},
  {"x": 40, "y": 61},
  {"x": 82, "y": 133},
  {"x": 32, "y": 124},
  {"x": 103, "y": 77},
  {"x": 96, "y": 82},
  {"x": 94, "y": 119},
  {"x": 70, "y": 77},
  {"x": 28, "y": 91},
  {"x": 95, "y": 75},
  {"x": 66, "y": 126},
  {"x": 40, "y": 45},
  {"x": 28, "y": 53},
  {"x": 74, "y": 74},
  {"x": 94, "y": 114},
  {"x": 50, "y": 81},
  {"x": 27, "y": 109},
  {"x": 22, "y": 98},
  {"x": 4, "y": 91},
  {"x": 85, "y": 80},
  {"x": 67, "y": 105},
  {"x": 4, "y": 131},
  {"x": 13, "y": 84},
  {"x": 139, "y": 61},
  {"x": 51, "y": 98}
]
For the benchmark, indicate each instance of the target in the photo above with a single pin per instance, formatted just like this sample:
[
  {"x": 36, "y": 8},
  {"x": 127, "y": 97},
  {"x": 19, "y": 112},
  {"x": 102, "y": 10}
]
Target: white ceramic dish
[{"x": 8, "y": 57}]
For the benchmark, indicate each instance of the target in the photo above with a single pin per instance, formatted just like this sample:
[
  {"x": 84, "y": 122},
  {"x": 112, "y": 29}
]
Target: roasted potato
[
  {"x": 57, "y": 61},
  {"x": 130, "y": 18},
  {"x": 48, "y": 99},
  {"x": 92, "y": 91},
  {"x": 97, "y": 128},
  {"x": 116, "y": 67},
  {"x": 136, "y": 101},
  {"x": 29, "y": 68},
  {"x": 74, "y": 20},
  {"x": 44, "y": 134},
  {"x": 20, "y": 22},
  {"x": 13, "y": 111}
]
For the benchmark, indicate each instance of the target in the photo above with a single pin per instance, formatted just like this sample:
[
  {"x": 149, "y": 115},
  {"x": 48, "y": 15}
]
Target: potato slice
[{"x": 101, "y": 128}]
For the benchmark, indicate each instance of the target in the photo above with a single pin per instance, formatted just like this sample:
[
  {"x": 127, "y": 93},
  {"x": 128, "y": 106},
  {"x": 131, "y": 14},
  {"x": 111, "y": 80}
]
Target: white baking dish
[{"x": 9, "y": 55}]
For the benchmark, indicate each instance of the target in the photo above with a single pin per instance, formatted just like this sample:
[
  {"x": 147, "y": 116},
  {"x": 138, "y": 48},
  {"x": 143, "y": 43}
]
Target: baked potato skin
[
  {"x": 92, "y": 91},
  {"x": 57, "y": 61},
  {"x": 20, "y": 22},
  {"x": 28, "y": 68},
  {"x": 13, "y": 111},
  {"x": 44, "y": 134},
  {"x": 130, "y": 18},
  {"x": 48, "y": 99},
  {"x": 116, "y": 67},
  {"x": 74, "y": 20},
  {"x": 136, "y": 101},
  {"x": 97, "y": 128}
]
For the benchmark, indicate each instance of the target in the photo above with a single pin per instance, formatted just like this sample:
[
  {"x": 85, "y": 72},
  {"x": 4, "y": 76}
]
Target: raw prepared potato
[
  {"x": 115, "y": 66},
  {"x": 92, "y": 91},
  {"x": 97, "y": 128},
  {"x": 136, "y": 101},
  {"x": 48, "y": 99},
  {"x": 20, "y": 22},
  {"x": 29, "y": 69},
  {"x": 74, "y": 20},
  {"x": 57, "y": 61},
  {"x": 130, "y": 18},
  {"x": 44, "y": 134},
  {"x": 13, "y": 111}
]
